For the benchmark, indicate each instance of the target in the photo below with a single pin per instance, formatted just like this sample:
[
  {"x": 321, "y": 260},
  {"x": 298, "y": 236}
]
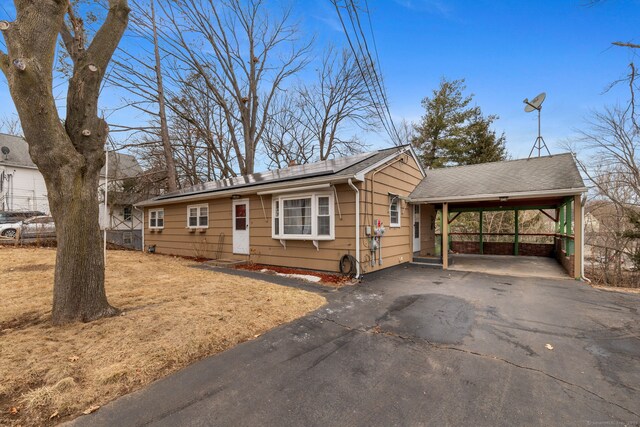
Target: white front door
[
  {"x": 241, "y": 226},
  {"x": 416, "y": 228}
]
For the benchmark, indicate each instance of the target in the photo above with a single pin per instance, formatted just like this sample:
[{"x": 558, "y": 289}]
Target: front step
[
  {"x": 225, "y": 262},
  {"x": 428, "y": 261}
]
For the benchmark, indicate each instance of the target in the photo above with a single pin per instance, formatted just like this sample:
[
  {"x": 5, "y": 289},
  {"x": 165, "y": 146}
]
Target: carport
[{"x": 551, "y": 185}]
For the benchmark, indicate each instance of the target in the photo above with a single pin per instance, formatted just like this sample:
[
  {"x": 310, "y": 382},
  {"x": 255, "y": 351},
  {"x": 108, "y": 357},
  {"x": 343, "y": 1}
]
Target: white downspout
[
  {"x": 141, "y": 210},
  {"x": 357, "y": 227}
]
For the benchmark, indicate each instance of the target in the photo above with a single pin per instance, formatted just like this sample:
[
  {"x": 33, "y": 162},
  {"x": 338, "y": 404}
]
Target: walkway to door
[{"x": 518, "y": 266}]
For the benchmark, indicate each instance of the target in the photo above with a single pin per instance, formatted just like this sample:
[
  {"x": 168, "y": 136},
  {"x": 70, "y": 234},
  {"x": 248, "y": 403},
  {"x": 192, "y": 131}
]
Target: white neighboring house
[{"x": 22, "y": 188}]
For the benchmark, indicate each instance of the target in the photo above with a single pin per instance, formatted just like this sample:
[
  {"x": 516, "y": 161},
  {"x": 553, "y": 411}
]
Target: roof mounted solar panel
[{"x": 309, "y": 170}]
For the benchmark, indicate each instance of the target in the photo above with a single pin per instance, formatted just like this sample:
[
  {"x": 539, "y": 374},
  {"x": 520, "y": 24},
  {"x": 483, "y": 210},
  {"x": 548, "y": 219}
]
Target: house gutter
[
  {"x": 510, "y": 196},
  {"x": 253, "y": 189},
  {"x": 357, "y": 226}
]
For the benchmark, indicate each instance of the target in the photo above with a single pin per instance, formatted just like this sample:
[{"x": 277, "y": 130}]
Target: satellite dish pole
[{"x": 536, "y": 104}]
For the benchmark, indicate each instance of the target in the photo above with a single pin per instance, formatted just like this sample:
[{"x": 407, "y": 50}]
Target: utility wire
[
  {"x": 373, "y": 97},
  {"x": 377, "y": 93},
  {"x": 380, "y": 77}
]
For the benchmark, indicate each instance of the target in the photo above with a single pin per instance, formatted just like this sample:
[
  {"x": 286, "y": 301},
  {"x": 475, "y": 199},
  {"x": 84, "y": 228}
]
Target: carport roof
[{"x": 555, "y": 175}]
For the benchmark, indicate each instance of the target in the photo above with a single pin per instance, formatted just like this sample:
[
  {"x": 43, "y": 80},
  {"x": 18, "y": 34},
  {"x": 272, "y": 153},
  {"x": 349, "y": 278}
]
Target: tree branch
[
  {"x": 108, "y": 37},
  {"x": 626, "y": 44},
  {"x": 68, "y": 40},
  {"x": 4, "y": 62}
]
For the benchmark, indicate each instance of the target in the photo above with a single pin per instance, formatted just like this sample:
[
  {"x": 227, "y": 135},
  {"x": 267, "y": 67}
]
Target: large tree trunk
[
  {"x": 69, "y": 156},
  {"x": 79, "y": 292}
]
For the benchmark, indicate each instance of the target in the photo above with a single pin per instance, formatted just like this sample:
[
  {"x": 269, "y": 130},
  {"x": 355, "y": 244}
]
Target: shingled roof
[
  {"x": 513, "y": 178},
  {"x": 332, "y": 170},
  {"x": 121, "y": 166}
]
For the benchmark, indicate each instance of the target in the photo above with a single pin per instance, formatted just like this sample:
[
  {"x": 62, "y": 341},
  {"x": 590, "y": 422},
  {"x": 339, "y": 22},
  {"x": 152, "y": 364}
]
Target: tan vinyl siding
[
  {"x": 398, "y": 177},
  {"x": 176, "y": 238}
]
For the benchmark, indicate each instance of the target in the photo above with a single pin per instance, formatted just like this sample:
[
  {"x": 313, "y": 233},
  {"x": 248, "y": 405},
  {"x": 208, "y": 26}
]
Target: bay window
[{"x": 303, "y": 217}]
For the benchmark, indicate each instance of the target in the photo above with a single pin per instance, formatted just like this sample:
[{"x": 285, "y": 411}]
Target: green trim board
[{"x": 520, "y": 208}]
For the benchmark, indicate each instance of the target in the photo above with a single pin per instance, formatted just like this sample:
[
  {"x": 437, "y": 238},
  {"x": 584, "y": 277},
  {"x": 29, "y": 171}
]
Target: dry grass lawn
[{"x": 173, "y": 315}]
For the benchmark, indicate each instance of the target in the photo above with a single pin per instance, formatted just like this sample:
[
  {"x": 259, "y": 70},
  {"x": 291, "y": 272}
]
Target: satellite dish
[
  {"x": 5, "y": 150},
  {"x": 535, "y": 103}
]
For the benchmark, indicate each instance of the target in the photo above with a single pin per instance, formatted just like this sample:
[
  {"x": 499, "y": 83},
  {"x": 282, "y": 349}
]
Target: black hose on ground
[{"x": 348, "y": 261}]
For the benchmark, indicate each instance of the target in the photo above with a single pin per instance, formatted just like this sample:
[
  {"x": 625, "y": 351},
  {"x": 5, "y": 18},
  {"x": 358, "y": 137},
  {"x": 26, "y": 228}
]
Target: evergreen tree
[
  {"x": 481, "y": 145},
  {"x": 451, "y": 132}
]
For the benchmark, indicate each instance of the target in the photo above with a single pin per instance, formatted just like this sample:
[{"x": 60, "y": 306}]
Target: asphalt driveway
[{"x": 418, "y": 346}]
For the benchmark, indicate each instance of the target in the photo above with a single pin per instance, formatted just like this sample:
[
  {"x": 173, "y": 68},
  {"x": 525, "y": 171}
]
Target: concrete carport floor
[
  {"x": 519, "y": 266},
  {"x": 418, "y": 346}
]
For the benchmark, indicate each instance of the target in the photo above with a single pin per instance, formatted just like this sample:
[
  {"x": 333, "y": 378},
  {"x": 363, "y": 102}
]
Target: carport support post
[
  {"x": 569, "y": 242},
  {"x": 445, "y": 236},
  {"x": 561, "y": 225},
  {"x": 515, "y": 243},
  {"x": 577, "y": 231},
  {"x": 481, "y": 237}
]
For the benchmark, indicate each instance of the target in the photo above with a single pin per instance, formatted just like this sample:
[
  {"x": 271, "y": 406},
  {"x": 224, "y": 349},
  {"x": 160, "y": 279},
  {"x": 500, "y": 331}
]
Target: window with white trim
[
  {"x": 198, "y": 216},
  {"x": 394, "y": 213},
  {"x": 304, "y": 217},
  {"x": 276, "y": 217},
  {"x": 156, "y": 218}
]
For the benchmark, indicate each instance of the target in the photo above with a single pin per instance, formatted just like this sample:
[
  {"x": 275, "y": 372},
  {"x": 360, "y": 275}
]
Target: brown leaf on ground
[
  {"x": 54, "y": 415},
  {"x": 14, "y": 410},
  {"x": 91, "y": 409},
  {"x": 175, "y": 315}
]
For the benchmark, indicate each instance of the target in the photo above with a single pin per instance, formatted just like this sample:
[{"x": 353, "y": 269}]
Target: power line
[
  {"x": 362, "y": 73},
  {"x": 379, "y": 77},
  {"x": 377, "y": 94}
]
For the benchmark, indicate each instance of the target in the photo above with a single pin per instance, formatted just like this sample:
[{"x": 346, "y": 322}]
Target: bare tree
[
  {"x": 339, "y": 99},
  {"x": 200, "y": 132},
  {"x": 243, "y": 54},
  {"x": 612, "y": 245},
  {"x": 10, "y": 126},
  {"x": 68, "y": 153},
  {"x": 288, "y": 139},
  {"x": 612, "y": 142},
  {"x": 406, "y": 132},
  {"x": 140, "y": 72}
]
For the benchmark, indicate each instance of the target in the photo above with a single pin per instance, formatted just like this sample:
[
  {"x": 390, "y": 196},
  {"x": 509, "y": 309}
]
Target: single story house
[{"x": 363, "y": 212}]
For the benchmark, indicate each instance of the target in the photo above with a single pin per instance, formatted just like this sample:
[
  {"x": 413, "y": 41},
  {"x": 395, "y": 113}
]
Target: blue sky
[{"x": 506, "y": 51}]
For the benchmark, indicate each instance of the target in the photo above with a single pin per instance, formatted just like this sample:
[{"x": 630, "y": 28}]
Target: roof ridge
[
  {"x": 500, "y": 161},
  {"x": 373, "y": 153}
]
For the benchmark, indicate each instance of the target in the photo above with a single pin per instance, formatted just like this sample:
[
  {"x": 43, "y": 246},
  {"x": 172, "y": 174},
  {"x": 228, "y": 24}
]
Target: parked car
[
  {"x": 36, "y": 227},
  {"x": 12, "y": 217}
]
